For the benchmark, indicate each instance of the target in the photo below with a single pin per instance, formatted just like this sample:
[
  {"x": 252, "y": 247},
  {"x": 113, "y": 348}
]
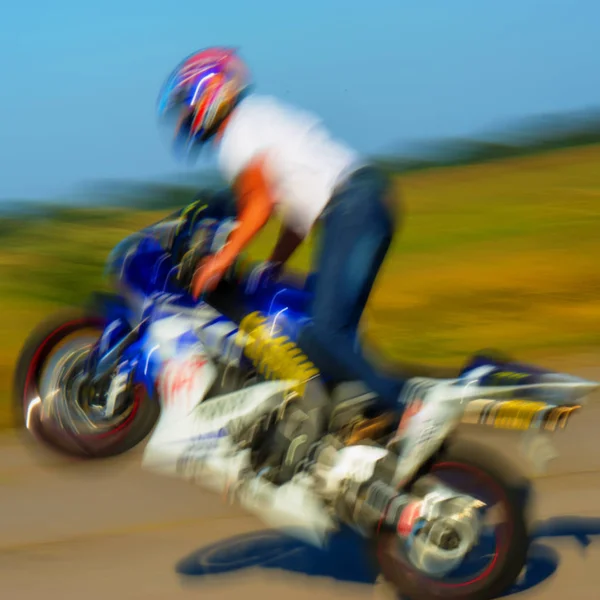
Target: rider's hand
[{"x": 208, "y": 274}]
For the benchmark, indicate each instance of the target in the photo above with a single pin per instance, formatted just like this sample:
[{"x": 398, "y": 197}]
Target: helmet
[{"x": 201, "y": 92}]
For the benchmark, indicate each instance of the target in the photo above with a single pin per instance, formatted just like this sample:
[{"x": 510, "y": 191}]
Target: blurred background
[{"x": 484, "y": 113}]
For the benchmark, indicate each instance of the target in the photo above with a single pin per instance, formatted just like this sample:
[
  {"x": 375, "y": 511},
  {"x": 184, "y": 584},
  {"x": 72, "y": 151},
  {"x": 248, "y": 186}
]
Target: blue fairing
[{"x": 144, "y": 273}]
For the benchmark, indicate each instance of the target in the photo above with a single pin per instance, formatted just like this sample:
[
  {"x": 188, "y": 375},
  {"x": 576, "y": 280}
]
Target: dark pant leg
[{"x": 356, "y": 235}]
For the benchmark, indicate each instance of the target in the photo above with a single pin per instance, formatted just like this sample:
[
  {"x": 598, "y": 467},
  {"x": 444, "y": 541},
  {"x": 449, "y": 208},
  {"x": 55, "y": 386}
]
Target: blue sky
[{"x": 80, "y": 79}]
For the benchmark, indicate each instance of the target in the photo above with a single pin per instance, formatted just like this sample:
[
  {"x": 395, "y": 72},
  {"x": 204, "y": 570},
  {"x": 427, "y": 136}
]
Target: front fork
[{"x": 109, "y": 372}]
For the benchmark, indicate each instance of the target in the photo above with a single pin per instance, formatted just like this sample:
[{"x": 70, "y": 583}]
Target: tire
[
  {"x": 513, "y": 489},
  {"x": 112, "y": 440}
]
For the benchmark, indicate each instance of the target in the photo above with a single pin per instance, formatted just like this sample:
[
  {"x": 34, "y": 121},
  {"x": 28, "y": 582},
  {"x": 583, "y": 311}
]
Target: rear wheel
[
  {"x": 496, "y": 562},
  {"x": 50, "y": 399}
]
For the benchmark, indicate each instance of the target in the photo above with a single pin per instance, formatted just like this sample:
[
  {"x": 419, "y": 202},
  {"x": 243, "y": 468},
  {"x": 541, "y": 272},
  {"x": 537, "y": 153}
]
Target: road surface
[{"x": 109, "y": 530}]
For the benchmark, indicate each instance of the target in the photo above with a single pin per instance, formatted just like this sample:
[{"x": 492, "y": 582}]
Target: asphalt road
[{"x": 109, "y": 530}]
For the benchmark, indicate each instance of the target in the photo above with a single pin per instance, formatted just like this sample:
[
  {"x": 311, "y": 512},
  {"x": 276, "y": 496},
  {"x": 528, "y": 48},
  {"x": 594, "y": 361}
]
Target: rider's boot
[{"x": 430, "y": 414}]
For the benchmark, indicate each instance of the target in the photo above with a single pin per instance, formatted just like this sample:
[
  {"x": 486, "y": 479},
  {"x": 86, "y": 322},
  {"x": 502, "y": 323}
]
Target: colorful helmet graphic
[{"x": 201, "y": 92}]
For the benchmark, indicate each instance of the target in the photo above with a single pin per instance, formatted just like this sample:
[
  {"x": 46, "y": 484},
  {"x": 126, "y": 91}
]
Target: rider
[{"x": 280, "y": 160}]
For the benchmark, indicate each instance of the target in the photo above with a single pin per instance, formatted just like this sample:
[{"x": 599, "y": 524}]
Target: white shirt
[{"x": 304, "y": 164}]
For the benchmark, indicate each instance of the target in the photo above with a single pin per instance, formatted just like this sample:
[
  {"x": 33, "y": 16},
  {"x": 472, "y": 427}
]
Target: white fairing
[
  {"x": 198, "y": 447},
  {"x": 192, "y": 437}
]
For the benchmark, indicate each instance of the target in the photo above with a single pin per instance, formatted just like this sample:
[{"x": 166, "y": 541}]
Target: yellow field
[{"x": 503, "y": 255}]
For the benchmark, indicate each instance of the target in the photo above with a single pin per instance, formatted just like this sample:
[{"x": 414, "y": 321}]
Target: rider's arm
[
  {"x": 255, "y": 206},
  {"x": 286, "y": 245}
]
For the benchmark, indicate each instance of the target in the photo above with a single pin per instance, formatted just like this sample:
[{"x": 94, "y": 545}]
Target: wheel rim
[
  {"x": 493, "y": 543},
  {"x": 64, "y": 423}
]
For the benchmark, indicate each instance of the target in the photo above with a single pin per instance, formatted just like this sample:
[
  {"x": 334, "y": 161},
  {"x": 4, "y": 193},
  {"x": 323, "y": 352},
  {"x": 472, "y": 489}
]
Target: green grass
[{"x": 504, "y": 254}]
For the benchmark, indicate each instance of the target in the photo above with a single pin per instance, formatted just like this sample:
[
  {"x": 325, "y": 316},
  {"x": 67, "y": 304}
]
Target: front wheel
[
  {"x": 48, "y": 398},
  {"x": 495, "y": 563}
]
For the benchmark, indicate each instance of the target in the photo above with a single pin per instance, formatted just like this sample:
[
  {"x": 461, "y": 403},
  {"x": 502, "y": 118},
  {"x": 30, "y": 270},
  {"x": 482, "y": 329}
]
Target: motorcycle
[{"x": 213, "y": 383}]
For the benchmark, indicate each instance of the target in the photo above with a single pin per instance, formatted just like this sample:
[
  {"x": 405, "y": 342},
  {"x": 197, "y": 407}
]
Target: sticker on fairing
[{"x": 182, "y": 381}]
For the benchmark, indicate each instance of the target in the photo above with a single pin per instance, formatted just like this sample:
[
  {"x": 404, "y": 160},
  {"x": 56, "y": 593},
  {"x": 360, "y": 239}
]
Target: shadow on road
[{"x": 346, "y": 558}]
